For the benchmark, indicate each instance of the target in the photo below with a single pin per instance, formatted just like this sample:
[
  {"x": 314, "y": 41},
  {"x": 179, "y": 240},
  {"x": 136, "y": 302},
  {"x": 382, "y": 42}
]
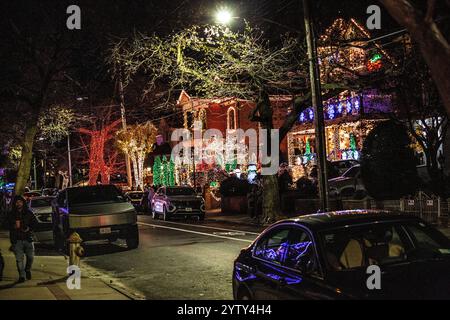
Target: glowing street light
[{"x": 224, "y": 16}]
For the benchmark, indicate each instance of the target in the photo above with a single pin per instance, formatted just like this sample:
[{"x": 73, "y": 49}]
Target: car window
[
  {"x": 428, "y": 240},
  {"x": 94, "y": 194},
  {"x": 361, "y": 246},
  {"x": 352, "y": 172},
  {"x": 39, "y": 203},
  {"x": 301, "y": 254},
  {"x": 180, "y": 191},
  {"x": 273, "y": 247}
]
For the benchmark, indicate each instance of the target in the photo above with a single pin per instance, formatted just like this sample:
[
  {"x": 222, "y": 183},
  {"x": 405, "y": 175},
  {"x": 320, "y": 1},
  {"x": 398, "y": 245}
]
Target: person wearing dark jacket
[{"x": 21, "y": 225}]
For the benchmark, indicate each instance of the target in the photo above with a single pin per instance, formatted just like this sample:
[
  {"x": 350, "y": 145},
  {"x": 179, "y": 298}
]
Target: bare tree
[
  {"x": 420, "y": 22},
  {"x": 421, "y": 108}
]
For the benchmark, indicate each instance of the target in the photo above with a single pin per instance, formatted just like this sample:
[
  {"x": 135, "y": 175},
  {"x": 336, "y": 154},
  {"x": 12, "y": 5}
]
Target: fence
[{"x": 430, "y": 208}]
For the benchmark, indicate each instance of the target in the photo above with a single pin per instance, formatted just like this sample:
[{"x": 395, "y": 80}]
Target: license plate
[
  {"x": 188, "y": 209},
  {"x": 105, "y": 230}
]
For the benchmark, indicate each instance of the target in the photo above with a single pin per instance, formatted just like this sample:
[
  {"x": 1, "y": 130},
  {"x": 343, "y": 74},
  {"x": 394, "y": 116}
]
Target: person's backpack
[{"x": 2, "y": 266}]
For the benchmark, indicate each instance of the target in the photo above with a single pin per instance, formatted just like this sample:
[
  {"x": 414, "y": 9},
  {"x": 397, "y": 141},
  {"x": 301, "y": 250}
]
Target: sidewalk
[
  {"x": 245, "y": 220},
  {"x": 49, "y": 279}
]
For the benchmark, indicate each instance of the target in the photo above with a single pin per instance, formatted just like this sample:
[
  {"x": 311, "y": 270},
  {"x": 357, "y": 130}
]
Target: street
[{"x": 175, "y": 259}]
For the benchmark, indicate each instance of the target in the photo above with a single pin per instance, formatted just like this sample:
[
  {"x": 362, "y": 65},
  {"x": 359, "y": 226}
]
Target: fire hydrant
[{"x": 75, "y": 249}]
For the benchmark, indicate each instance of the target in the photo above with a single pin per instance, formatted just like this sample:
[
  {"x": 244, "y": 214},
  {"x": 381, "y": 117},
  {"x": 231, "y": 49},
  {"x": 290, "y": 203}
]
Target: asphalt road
[{"x": 175, "y": 260}]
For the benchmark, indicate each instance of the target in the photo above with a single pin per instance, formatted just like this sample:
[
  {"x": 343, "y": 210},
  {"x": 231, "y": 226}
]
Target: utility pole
[
  {"x": 69, "y": 157},
  {"x": 124, "y": 127},
  {"x": 316, "y": 93}
]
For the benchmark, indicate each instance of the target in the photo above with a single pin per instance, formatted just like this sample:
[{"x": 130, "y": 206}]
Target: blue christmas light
[
  {"x": 330, "y": 111},
  {"x": 340, "y": 107},
  {"x": 302, "y": 117},
  {"x": 356, "y": 103},
  {"x": 349, "y": 106}
]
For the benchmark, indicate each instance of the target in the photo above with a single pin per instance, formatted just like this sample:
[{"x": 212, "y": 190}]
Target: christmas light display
[
  {"x": 157, "y": 171},
  {"x": 165, "y": 172},
  {"x": 98, "y": 167},
  {"x": 137, "y": 141}
]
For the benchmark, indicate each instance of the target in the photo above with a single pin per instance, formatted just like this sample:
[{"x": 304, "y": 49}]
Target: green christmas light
[
  {"x": 376, "y": 57},
  {"x": 157, "y": 171}
]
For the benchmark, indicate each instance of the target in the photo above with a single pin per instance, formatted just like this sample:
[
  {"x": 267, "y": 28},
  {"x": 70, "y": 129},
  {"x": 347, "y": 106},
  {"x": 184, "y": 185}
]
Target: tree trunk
[
  {"x": 271, "y": 194},
  {"x": 23, "y": 173},
  {"x": 433, "y": 45},
  {"x": 271, "y": 199},
  {"x": 135, "y": 168}
]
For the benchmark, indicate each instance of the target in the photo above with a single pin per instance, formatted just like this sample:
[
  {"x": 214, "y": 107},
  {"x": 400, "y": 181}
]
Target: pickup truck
[{"x": 96, "y": 213}]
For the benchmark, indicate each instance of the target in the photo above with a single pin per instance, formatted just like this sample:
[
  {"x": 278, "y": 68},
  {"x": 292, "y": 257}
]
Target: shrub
[
  {"x": 234, "y": 186},
  {"x": 306, "y": 187},
  {"x": 388, "y": 168}
]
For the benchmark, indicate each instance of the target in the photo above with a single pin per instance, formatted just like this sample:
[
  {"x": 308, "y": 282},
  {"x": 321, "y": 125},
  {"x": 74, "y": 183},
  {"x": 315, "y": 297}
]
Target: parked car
[
  {"x": 135, "y": 198},
  {"x": 347, "y": 184},
  {"x": 32, "y": 194},
  {"x": 343, "y": 165},
  {"x": 173, "y": 202},
  {"x": 42, "y": 209},
  {"x": 49, "y": 192},
  {"x": 95, "y": 213},
  {"x": 327, "y": 255}
]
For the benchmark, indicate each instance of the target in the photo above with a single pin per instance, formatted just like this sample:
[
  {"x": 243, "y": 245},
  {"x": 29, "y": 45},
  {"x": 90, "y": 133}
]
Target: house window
[{"x": 231, "y": 119}]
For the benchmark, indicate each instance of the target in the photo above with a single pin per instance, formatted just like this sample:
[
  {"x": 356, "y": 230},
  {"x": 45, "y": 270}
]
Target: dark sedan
[
  {"x": 327, "y": 255},
  {"x": 178, "y": 202}
]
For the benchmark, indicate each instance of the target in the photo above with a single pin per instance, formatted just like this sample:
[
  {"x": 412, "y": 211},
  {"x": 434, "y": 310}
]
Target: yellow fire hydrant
[{"x": 75, "y": 249}]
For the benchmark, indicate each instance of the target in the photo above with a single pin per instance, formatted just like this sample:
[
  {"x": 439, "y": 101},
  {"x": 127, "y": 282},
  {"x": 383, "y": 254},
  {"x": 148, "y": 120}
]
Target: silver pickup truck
[{"x": 95, "y": 213}]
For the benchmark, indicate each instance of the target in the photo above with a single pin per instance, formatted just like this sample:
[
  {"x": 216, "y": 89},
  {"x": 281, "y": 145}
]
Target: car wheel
[
  {"x": 165, "y": 215},
  {"x": 243, "y": 294},
  {"x": 133, "y": 238}
]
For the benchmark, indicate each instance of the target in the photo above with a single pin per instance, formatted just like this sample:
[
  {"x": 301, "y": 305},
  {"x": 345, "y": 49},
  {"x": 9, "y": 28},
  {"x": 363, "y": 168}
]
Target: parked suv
[
  {"x": 95, "y": 213},
  {"x": 172, "y": 202}
]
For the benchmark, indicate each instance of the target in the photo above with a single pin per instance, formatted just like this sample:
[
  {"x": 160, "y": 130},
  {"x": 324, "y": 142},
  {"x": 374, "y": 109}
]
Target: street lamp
[{"x": 224, "y": 16}]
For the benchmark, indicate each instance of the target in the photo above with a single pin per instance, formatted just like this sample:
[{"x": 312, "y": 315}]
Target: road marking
[
  {"x": 206, "y": 227},
  {"x": 195, "y": 232}
]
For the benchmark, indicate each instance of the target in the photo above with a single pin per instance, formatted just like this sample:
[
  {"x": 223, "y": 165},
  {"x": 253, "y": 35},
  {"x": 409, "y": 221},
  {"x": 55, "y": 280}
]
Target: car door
[
  {"x": 302, "y": 272},
  {"x": 268, "y": 257}
]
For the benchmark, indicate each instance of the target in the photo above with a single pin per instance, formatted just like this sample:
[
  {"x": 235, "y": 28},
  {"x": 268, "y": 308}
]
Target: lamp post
[
  {"x": 316, "y": 94},
  {"x": 69, "y": 157}
]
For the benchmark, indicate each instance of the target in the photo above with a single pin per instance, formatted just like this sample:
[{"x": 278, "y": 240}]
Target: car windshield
[
  {"x": 352, "y": 172},
  {"x": 135, "y": 195},
  {"x": 381, "y": 244},
  {"x": 94, "y": 194},
  {"x": 39, "y": 203},
  {"x": 180, "y": 191}
]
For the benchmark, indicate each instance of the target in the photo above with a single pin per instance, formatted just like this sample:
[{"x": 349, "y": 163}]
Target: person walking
[
  {"x": 21, "y": 225},
  {"x": 151, "y": 194}
]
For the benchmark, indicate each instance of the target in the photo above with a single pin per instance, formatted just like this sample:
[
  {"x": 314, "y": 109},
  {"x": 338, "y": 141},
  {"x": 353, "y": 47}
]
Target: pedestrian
[
  {"x": 21, "y": 225},
  {"x": 251, "y": 201},
  {"x": 151, "y": 193},
  {"x": 2, "y": 265}
]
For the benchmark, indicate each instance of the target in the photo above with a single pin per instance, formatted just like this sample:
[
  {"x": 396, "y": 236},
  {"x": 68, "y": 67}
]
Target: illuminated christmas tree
[
  {"x": 165, "y": 171},
  {"x": 171, "y": 173},
  {"x": 157, "y": 171}
]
